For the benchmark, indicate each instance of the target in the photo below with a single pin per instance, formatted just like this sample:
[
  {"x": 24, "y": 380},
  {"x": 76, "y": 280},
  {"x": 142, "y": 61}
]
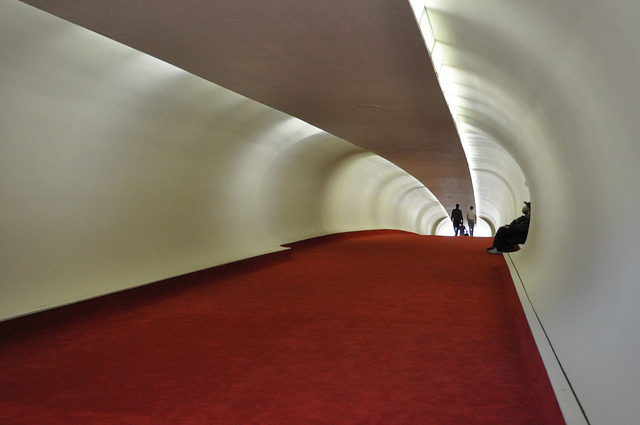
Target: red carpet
[{"x": 365, "y": 328}]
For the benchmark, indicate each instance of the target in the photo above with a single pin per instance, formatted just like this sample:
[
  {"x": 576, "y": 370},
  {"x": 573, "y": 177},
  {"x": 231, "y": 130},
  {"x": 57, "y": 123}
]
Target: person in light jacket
[{"x": 471, "y": 219}]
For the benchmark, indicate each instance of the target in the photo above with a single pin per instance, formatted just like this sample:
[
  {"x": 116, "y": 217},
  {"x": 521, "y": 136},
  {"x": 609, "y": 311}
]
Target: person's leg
[
  {"x": 498, "y": 239},
  {"x": 501, "y": 241},
  {"x": 471, "y": 224}
]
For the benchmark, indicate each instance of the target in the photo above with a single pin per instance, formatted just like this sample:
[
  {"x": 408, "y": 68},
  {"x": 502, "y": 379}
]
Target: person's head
[
  {"x": 471, "y": 207},
  {"x": 457, "y": 205},
  {"x": 527, "y": 208}
]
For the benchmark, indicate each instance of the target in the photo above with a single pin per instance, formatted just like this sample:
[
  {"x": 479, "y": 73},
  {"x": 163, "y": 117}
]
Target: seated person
[{"x": 507, "y": 237}]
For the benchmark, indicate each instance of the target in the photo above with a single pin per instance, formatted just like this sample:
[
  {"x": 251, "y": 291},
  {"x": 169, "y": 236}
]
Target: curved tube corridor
[{"x": 119, "y": 169}]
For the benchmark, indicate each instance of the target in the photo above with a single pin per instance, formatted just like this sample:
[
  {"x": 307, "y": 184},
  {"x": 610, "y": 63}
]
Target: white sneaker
[{"x": 494, "y": 251}]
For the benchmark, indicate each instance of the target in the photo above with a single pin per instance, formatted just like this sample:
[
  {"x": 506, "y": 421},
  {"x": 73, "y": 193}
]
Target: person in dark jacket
[
  {"x": 456, "y": 217},
  {"x": 507, "y": 237}
]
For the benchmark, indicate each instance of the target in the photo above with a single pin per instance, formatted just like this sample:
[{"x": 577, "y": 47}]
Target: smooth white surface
[
  {"x": 554, "y": 85},
  {"x": 481, "y": 112},
  {"x": 567, "y": 401},
  {"x": 117, "y": 170}
]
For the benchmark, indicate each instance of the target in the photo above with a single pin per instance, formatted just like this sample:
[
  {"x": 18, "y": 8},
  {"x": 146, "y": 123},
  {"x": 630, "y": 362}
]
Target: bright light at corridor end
[{"x": 481, "y": 229}]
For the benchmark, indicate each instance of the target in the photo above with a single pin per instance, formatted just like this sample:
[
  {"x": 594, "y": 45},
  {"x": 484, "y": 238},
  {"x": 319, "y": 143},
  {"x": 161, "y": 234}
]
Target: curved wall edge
[
  {"x": 554, "y": 83},
  {"x": 117, "y": 170}
]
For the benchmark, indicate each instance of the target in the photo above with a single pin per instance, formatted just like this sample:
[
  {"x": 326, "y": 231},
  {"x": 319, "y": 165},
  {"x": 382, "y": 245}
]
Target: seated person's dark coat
[
  {"x": 519, "y": 228},
  {"x": 507, "y": 237}
]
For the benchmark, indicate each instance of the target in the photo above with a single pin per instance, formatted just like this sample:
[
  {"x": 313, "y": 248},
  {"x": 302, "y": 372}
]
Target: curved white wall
[
  {"x": 554, "y": 84},
  {"x": 117, "y": 170}
]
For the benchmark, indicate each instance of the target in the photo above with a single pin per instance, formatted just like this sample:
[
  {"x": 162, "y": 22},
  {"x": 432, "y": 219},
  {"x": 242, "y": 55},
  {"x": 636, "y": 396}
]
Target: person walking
[
  {"x": 471, "y": 219},
  {"x": 456, "y": 217}
]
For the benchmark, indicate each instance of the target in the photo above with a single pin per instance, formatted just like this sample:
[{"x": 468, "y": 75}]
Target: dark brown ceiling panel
[{"x": 357, "y": 69}]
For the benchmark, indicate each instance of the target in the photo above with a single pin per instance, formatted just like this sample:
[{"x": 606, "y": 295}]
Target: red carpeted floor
[{"x": 367, "y": 328}]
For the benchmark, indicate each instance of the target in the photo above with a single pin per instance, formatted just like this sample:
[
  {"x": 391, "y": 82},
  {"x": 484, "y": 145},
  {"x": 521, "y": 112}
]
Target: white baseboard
[{"x": 569, "y": 405}]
